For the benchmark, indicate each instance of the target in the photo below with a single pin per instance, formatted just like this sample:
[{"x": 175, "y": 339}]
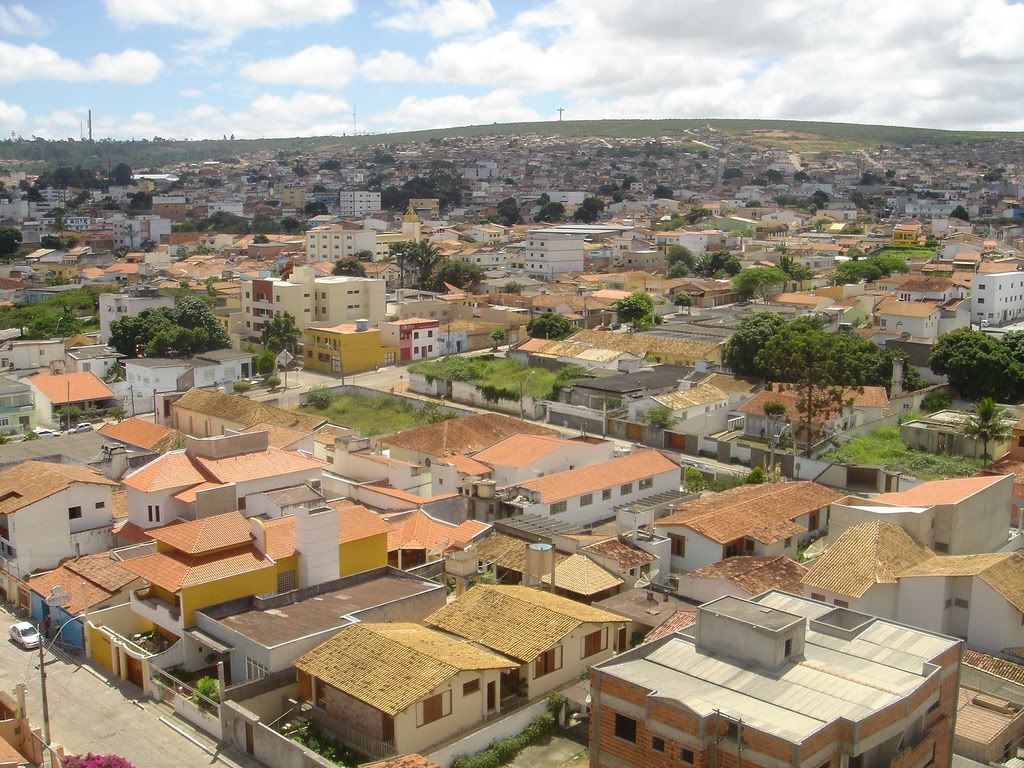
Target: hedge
[{"x": 505, "y": 750}]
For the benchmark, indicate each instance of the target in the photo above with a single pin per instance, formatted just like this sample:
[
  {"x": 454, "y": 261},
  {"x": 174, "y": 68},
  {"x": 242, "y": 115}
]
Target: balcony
[
  {"x": 161, "y": 613},
  {"x": 8, "y": 409}
]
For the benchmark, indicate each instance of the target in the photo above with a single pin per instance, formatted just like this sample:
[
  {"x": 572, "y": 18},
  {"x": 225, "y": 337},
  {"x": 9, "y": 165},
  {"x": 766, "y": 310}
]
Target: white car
[
  {"x": 25, "y": 635},
  {"x": 85, "y": 426},
  {"x": 44, "y": 432}
]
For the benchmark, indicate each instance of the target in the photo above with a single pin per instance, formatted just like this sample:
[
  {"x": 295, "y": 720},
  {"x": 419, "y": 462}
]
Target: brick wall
[{"x": 346, "y": 714}]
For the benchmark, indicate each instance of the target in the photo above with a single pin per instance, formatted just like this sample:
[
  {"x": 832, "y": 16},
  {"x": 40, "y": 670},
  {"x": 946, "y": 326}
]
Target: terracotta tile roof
[
  {"x": 208, "y": 534},
  {"x": 907, "y": 308},
  {"x": 129, "y": 533},
  {"x": 520, "y": 450},
  {"x": 102, "y": 577},
  {"x": 390, "y": 667},
  {"x": 188, "y": 496},
  {"x": 468, "y": 466},
  {"x": 24, "y": 484},
  {"x": 119, "y": 505},
  {"x": 174, "y": 570},
  {"x": 627, "y": 555},
  {"x": 1003, "y": 572},
  {"x": 505, "y": 551},
  {"x": 418, "y": 530},
  {"x": 405, "y": 761},
  {"x": 1008, "y": 465},
  {"x": 172, "y": 470},
  {"x": 757, "y": 574},
  {"x": 280, "y": 537},
  {"x": 938, "y": 492},
  {"x": 142, "y": 434},
  {"x": 520, "y": 622},
  {"x": 243, "y": 411},
  {"x": 871, "y": 397},
  {"x": 865, "y": 555},
  {"x": 62, "y": 388},
  {"x": 642, "y": 344},
  {"x": 355, "y": 523},
  {"x": 625, "y": 469},
  {"x": 1007, "y": 670},
  {"x": 982, "y": 718},
  {"x": 466, "y": 435},
  {"x": 702, "y": 394},
  {"x": 765, "y": 513},
  {"x": 278, "y": 436},
  {"x": 678, "y": 621},
  {"x": 256, "y": 465},
  {"x": 582, "y": 576}
]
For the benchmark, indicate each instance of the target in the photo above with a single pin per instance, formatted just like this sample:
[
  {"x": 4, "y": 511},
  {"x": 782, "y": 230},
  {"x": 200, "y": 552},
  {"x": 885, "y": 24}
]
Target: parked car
[
  {"x": 44, "y": 432},
  {"x": 85, "y": 426},
  {"x": 25, "y": 635}
]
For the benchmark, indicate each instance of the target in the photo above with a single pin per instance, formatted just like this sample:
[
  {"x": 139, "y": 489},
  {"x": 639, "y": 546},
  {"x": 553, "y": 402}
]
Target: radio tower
[
  {"x": 560, "y": 111},
  {"x": 90, "y": 125}
]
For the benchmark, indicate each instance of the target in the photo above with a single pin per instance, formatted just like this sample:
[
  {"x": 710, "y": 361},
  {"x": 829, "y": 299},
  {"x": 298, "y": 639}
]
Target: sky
[{"x": 252, "y": 68}]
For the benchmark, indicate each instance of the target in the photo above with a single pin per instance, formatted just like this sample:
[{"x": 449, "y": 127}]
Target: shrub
[
  {"x": 241, "y": 386},
  {"x": 936, "y": 401},
  {"x": 694, "y": 480},
  {"x": 207, "y": 689},
  {"x": 504, "y": 751},
  {"x": 319, "y": 397},
  {"x": 96, "y": 761},
  {"x": 273, "y": 382},
  {"x": 556, "y": 702},
  {"x": 658, "y": 417},
  {"x": 756, "y": 476}
]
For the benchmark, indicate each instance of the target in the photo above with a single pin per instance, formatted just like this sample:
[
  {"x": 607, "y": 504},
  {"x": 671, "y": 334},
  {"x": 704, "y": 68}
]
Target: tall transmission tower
[{"x": 560, "y": 111}]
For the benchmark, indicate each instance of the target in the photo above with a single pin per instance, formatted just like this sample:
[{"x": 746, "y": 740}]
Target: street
[{"x": 88, "y": 714}]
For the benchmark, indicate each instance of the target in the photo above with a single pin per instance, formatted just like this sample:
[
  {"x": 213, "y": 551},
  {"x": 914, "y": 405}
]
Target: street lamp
[{"x": 522, "y": 390}]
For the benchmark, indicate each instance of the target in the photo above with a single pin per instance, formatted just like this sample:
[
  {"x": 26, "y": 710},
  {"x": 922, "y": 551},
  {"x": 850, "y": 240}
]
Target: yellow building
[
  {"x": 346, "y": 349},
  {"x": 906, "y": 234},
  {"x": 293, "y": 197}
]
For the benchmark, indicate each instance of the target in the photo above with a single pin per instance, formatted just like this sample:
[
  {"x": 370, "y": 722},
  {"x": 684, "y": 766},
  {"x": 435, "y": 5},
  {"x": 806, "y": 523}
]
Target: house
[
  {"x": 426, "y": 444},
  {"x": 522, "y": 457},
  {"x": 415, "y": 338},
  {"x": 50, "y": 512},
  {"x": 95, "y": 358},
  {"x": 612, "y": 391},
  {"x": 31, "y": 355},
  {"x": 906, "y": 234},
  {"x": 556, "y": 640},
  {"x": 744, "y": 577},
  {"x": 582, "y": 579},
  {"x": 416, "y": 538},
  {"x": 142, "y": 435},
  {"x": 780, "y": 678},
  {"x": 346, "y": 348},
  {"x": 212, "y": 475},
  {"x": 647, "y": 610},
  {"x": 130, "y": 303},
  {"x": 960, "y": 516},
  {"x": 53, "y": 392},
  {"x": 149, "y": 375},
  {"x": 991, "y": 716},
  {"x": 919, "y": 319},
  {"x": 17, "y": 409},
  {"x": 383, "y": 688},
  {"x": 205, "y": 413},
  {"x": 942, "y": 433},
  {"x": 702, "y": 406},
  {"x": 979, "y": 597},
  {"x": 589, "y": 494},
  {"x": 771, "y": 519}
]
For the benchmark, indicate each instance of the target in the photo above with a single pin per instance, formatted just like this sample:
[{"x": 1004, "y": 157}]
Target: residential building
[
  {"x": 763, "y": 520},
  {"x": 332, "y": 242},
  {"x": 523, "y": 457},
  {"x": 416, "y": 538},
  {"x": 114, "y": 306},
  {"x": 779, "y": 679},
  {"x": 346, "y": 348},
  {"x": 587, "y": 495},
  {"x": 91, "y": 358},
  {"x": 431, "y": 442},
  {"x": 50, "y": 512},
  {"x": 357, "y": 202},
  {"x": 17, "y": 409},
  {"x": 293, "y": 198},
  {"x": 141, "y": 435},
  {"x": 398, "y": 686},
  {"x": 32, "y": 355},
  {"x": 415, "y": 338},
  {"x": 53, "y": 392},
  {"x": 859, "y": 406},
  {"x": 942, "y": 433},
  {"x": 997, "y": 298},
  {"x": 557, "y": 639},
  {"x": 550, "y": 252},
  {"x": 745, "y": 577},
  {"x": 960, "y": 516},
  {"x": 206, "y": 413},
  {"x": 221, "y": 367},
  {"x": 310, "y": 299}
]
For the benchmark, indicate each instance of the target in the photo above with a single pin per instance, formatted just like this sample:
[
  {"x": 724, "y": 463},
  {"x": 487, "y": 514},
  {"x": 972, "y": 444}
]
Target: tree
[
  {"x": 264, "y": 363},
  {"x": 117, "y": 414},
  {"x": 756, "y": 476},
  {"x": 260, "y": 239},
  {"x": 960, "y": 213},
  {"x": 658, "y": 417},
  {"x": 795, "y": 270},
  {"x": 364, "y": 255},
  {"x": 693, "y": 480},
  {"x": 513, "y": 287},
  {"x": 280, "y": 333},
  {"x": 497, "y": 338},
  {"x": 761, "y": 282},
  {"x": 936, "y": 400},
  {"x": 550, "y": 212},
  {"x": 549, "y": 326},
  {"x": 291, "y": 225},
  {"x": 663, "y": 192},
  {"x": 988, "y": 423},
  {"x": 319, "y": 397},
  {"x": 752, "y": 333},
  {"x": 588, "y": 210},
  {"x": 350, "y": 266},
  {"x": 10, "y": 240},
  {"x": 186, "y": 329},
  {"x": 423, "y": 256},
  {"x": 399, "y": 253},
  {"x": 717, "y": 263},
  {"x": 508, "y": 212},
  {"x": 50, "y": 241},
  {"x": 637, "y": 309},
  {"x": 314, "y": 208},
  {"x": 457, "y": 273},
  {"x": 977, "y": 365},
  {"x": 696, "y": 214},
  {"x": 683, "y": 300},
  {"x": 680, "y": 261},
  {"x": 121, "y": 175},
  {"x": 241, "y": 387}
]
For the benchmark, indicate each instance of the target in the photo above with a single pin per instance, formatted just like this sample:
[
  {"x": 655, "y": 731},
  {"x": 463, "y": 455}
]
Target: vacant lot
[
  {"x": 883, "y": 448},
  {"x": 376, "y": 415},
  {"x": 500, "y": 379}
]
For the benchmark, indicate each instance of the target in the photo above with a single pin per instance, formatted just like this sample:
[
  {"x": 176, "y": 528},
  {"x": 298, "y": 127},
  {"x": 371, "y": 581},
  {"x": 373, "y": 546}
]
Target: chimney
[
  {"x": 317, "y": 544},
  {"x": 896, "y": 386}
]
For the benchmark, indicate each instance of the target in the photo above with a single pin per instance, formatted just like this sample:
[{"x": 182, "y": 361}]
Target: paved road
[{"x": 89, "y": 715}]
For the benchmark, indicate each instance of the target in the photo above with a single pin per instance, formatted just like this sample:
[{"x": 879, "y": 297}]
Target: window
[
  {"x": 961, "y": 603},
  {"x": 74, "y": 513},
  {"x": 321, "y": 695},
  {"x": 625, "y": 727},
  {"x": 949, "y": 603},
  {"x": 678, "y": 545},
  {"x": 941, "y": 547},
  {"x": 595, "y": 642},
  {"x": 841, "y": 604},
  {"x": 436, "y": 707},
  {"x": 686, "y": 755},
  {"x": 816, "y": 596},
  {"x": 558, "y": 507},
  {"x": 101, "y": 504},
  {"x": 788, "y": 650},
  {"x": 981, "y": 300},
  {"x": 933, "y": 707},
  {"x": 586, "y": 499},
  {"x": 548, "y": 662},
  {"x": 657, "y": 744},
  {"x": 625, "y": 489},
  {"x": 254, "y": 670},
  {"x": 812, "y": 521},
  {"x": 607, "y": 493},
  {"x": 473, "y": 686},
  {"x": 788, "y": 543},
  {"x": 647, "y": 482}
]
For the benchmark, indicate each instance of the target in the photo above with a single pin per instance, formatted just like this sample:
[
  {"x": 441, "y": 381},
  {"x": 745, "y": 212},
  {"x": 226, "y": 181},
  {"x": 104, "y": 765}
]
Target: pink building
[{"x": 416, "y": 338}]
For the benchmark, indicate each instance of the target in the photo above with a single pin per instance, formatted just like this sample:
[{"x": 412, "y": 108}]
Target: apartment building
[
  {"x": 357, "y": 202},
  {"x": 550, "y": 252},
  {"x": 331, "y": 242},
  {"x": 114, "y": 306},
  {"x": 997, "y": 298},
  {"x": 310, "y": 299},
  {"x": 346, "y": 348},
  {"x": 778, "y": 680}
]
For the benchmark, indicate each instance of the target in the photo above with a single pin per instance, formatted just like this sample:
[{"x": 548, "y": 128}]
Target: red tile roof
[
  {"x": 677, "y": 621},
  {"x": 63, "y": 388},
  {"x": 418, "y": 530},
  {"x": 174, "y": 570},
  {"x": 757, "y": 574},
  {"x": 471, "y": 433},
  {"x": 139, "y": 433},
  {"x": 939, "y": 492},
  {"x": 576, "y": 482},
  {"x": 208, "y": 534}
]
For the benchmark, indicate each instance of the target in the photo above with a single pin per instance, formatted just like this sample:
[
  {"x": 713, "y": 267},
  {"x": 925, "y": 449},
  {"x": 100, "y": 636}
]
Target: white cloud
[
  {"x": 11, "y": 116},
  {"x": 441, "y": 18},
  {"x": 315, "y": 65},
  {"x": 190, "y": 93},
  {"x": 34, "y": 62},
  {"x": 306, "y": 104},
  {"x": 19, "y": 20},
  {"x": 390, "y": 65},
  {"x": 446, "y": 111}
]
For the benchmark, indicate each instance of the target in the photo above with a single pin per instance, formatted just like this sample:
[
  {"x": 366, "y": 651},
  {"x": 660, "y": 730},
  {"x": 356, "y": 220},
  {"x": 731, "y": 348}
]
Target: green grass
[
  {"x": 500, "y": 379},
  {"x": 884, "y": 448},
  {"x": 376, "y": 415},
  {"x": 905, "y": 252}
]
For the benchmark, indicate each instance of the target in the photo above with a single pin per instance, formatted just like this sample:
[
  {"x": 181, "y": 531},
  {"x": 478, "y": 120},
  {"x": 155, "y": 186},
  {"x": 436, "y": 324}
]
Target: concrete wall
[
  {"x": 269, "y": 747},
  {"x": 501, "y": 728}
]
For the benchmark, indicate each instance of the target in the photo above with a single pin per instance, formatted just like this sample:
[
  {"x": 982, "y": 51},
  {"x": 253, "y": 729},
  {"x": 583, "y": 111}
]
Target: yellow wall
[
  {"x": 162, "y": 594},
  {"x": 359, "y": 351},
  {"x": 286, "y": 564},
  {"x": 99, "y": 648},
  {"x": 261, "y": 582},
  {"x": 364, "y": 554}
]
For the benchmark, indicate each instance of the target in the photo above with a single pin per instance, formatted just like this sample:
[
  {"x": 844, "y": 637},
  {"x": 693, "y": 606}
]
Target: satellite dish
[{"x": 58, "y": 597}]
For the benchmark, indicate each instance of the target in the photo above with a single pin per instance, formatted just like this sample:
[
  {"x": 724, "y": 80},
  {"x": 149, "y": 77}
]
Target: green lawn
[
  {"x": 376, "y": 415},
  {"x": 884, "y": 448},
  {"x": 906, "y": 253},
  {"x": 500, "y": 378}
]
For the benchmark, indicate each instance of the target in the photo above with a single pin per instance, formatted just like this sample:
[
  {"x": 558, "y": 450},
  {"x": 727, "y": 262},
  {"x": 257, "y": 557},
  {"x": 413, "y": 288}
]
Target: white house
[
  {"x": 114, "y": 306},
  {"x": 50, "y": 512},
  {"x": 523, "y": 457},
  {"x": 997, "y": 298},
  {"x": 147, "y": 375}
]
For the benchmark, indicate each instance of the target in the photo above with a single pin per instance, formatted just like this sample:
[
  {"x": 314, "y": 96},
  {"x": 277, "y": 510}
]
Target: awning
[
  {"x": 578, "y": 694},
  {"x": 216, "y": 646}
]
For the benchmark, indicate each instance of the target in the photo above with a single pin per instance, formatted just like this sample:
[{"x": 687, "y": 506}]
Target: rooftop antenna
[
  {"x": 90, "y": 125},
  {"x": 560, "y": 111}
]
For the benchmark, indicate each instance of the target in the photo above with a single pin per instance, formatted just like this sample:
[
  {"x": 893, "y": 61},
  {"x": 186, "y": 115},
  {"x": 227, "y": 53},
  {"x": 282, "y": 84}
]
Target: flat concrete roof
[
  {"x": 751, "y": 613},
  {"x": 276, "y": 626},
  {"x": 635, "y": 604}
]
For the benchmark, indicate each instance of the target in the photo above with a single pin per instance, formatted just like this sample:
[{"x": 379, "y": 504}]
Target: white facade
[
  {"x": 549, "y": 254},
  {"x": 149, "y": 375},
  {"x": 31, "y": 355},
  {"x": 358, "y": 202},
  {"x": 333, "y": 242},
  {"x": 567, "y": 197},
  {"x": 114, "y": 306},
  {"x": 997, "y": 298}
]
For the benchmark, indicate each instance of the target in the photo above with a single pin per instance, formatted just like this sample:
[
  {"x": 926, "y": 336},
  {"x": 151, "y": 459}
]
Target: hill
[{"x": 788, "y": 134}]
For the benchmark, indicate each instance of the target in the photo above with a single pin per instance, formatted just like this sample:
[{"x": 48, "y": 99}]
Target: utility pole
[{"x": 46, "y": 704}]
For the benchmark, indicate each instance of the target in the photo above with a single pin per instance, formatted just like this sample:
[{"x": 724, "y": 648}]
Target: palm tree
[
  {"x": 424, "y": 256},
  {"x": 987, "y": 423}
]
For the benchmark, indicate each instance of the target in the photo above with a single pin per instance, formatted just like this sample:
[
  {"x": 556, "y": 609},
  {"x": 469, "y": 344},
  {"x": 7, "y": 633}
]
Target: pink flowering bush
[{"x": 96, "y": 761}]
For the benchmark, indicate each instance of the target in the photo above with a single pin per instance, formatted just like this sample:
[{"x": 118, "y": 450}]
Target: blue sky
[{"x": 195, "y": 68}]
